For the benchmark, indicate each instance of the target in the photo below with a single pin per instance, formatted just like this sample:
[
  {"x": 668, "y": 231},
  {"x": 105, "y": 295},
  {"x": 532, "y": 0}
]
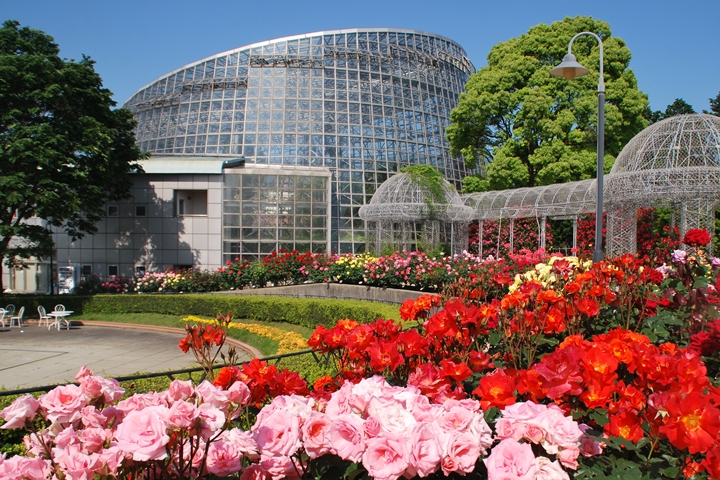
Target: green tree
[
  {"x": 678, "y": 107},
  {"x": 530, "y": 128},
  {"x": 64, "y": 152},
  {"x": 714, "y": 106}
]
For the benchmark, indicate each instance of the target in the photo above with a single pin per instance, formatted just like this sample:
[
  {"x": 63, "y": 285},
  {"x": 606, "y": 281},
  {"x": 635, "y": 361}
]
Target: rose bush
[{"x": 199, "y": 432}]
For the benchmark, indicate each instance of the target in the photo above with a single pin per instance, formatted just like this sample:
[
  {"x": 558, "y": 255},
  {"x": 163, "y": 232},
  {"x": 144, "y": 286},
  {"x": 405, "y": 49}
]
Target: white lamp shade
[{"x": 569, "y": 68}]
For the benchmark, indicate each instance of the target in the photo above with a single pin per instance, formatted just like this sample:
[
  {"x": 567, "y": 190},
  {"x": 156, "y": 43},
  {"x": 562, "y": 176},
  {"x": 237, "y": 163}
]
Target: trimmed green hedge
[{"x": 308, "y": 312}]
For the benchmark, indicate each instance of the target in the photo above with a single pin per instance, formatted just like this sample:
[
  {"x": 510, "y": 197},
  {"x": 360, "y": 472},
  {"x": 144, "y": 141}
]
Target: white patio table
[{"x": 60, "y": 316}]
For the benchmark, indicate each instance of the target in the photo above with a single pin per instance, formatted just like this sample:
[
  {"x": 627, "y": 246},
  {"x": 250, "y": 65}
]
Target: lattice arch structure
[
  {"x": 673, "y": 163},
  {"x": 561, "y": 200},
  {"x": 402, "y": 215}
]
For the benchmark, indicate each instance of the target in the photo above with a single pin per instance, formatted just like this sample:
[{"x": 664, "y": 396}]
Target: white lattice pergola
[
  {"x": 673, "y": 163},
  {"x": 402, "y": 215}
]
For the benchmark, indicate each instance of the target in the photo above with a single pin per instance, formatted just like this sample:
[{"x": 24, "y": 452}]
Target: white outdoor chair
[
  {"x": 2, "y": 317},
  {"x": 59, "y": 308},
  {"x": 10, "y": 310},
  {"x": 44, "y": 317},
  {"x": 18, "y": 318}
]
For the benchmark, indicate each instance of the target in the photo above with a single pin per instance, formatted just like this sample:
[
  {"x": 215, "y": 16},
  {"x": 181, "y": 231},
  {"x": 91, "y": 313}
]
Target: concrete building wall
[{"x": 158, "y": 228}]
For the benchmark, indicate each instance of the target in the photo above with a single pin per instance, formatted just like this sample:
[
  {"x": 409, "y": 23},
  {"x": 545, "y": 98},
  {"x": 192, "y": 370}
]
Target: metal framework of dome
[
  {"x": 673, "y": 163},
  {"x": 402, "y": 214}
]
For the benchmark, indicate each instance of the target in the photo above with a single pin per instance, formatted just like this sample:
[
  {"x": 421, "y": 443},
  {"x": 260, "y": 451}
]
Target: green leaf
[{"x": 599, "y": 416}]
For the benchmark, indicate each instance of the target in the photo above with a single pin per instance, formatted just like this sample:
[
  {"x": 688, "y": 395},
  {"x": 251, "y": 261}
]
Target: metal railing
[{"x": 274, "y": 359}]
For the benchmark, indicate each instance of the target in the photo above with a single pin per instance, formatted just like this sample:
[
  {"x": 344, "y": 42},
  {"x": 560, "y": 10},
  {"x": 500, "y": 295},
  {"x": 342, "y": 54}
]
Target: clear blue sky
[{"x": 675, "y": 44}]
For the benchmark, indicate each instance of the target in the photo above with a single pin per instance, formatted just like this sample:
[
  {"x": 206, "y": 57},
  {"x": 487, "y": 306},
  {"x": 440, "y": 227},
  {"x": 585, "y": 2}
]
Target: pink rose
[
  {"x": 481, "y": 431},
  {"x": 213, "y": 395},
  {"x": 79, "y": 466},
  {"x": 63, "y": 403},
  {"x": 239, "y": 394},
  {"x": 463, "y": 449},
  {"x": 95, "y": 387},
  {"x": 82, "y": 373},
  {"x": 426, "y": 449},
  {"x": 92, "y": 417},
  {"x": 547, "y": 470},
  {"x": 372, "y": 427},
  {"x": 113, "y": 415},
  {"x": 534, "y": 433},
  {"x": 143, "y": 433},
  {"x": 315, "y": 436},
  {"x": 589, "y": 447},
  {"x": 223, "y": 459},
  {"x": 386, "y": 456},
  {"x": 24, "y": 468},
  {"x": 140, "y": 401},
  {"x": 392, "y": 416},
  {"x": 346, "y": 437},
  {"x": 568, "y": 457},
  {"x": 509, "y": 428},
  {"x": 293, "y": 404},
  {"x": 561, "y": 431},
  {"x": 524, "y": 411},
  {"x": 421, "y": 408},
  {"x": 366, "y": 389},
  {"x": 179, "y": 390},
  {"x": 67, "y": 437},
  {"x": 19, "y": 412},
  {"x": 243, "y": 441},
  {"x": 35, "y": 443},
  {"x": 277, "y": 433},
  {"x": 510, "y": 460},
  {"x": 182, "y": 414},
  {"x": 280, "y": 468},
  {"x": 339, "y": 401},
  {"x": 455, "y": 418},
  {"x": 110, "y": 459},
  {"x": 94, "y": 438},
  {"x": 253, "y": 472},
  {"x": 212, "y": 419}
]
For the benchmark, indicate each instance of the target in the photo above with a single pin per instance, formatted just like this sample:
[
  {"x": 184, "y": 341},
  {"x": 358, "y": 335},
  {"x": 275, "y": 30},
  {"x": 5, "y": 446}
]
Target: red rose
[{"x": 697, "y": 237}]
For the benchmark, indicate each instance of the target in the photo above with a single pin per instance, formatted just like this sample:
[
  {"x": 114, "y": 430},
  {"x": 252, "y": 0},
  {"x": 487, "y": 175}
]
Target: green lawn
[{"x": 264, "y": 344}]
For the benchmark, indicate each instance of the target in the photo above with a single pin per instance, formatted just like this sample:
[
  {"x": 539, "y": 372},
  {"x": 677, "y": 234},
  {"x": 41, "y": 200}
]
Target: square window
[
  {"x": 140, "y": 271},
  {"x": 113, "y": 270},
  {"x": 140, "y": 210},
  {"x": 113, "y": 210},
  {"x": 86, "y": 270}
]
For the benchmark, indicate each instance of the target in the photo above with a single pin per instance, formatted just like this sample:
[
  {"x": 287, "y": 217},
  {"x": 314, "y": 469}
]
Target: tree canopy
[
  {"x": 678, "y": 107},
  {"x": 64, "y": 152},
  {"x": 714, "y": 106},
  {"x": 527, "y": 127}
]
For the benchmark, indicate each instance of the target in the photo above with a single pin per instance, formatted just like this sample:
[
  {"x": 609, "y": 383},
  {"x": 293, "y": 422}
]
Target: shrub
[{"x": 300, "y": 311}]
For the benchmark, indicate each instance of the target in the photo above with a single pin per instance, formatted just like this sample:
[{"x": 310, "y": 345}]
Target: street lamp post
[{"x": 569, "y": 69}]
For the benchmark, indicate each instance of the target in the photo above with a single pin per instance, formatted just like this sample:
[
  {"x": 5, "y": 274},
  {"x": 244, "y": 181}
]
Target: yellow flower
[{"x": 287, "y": 341}]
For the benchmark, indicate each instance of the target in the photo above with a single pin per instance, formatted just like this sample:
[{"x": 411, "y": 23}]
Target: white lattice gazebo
[
  {"x": 673, "y": 163},
  {"x": 405, "y": 215}
]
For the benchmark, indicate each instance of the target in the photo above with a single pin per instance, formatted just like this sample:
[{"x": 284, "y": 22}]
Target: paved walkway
[{"x": 35, "y": 356}]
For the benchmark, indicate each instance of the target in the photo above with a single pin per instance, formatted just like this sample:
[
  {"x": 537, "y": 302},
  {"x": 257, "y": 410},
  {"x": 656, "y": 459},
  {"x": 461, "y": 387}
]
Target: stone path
[{"x": 35, "y": 356}]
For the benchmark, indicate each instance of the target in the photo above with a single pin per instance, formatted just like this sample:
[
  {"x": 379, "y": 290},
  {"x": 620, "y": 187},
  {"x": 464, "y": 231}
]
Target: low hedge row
[{"x": 308, "y": 312}]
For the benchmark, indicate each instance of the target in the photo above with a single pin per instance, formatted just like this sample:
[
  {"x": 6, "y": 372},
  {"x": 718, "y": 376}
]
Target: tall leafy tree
[
  {"x": 64, "y": 152},
  {"x": 714, "y": 106},
  {"x": 530, "y": 128},
  {"x": 678, "y": 107}
]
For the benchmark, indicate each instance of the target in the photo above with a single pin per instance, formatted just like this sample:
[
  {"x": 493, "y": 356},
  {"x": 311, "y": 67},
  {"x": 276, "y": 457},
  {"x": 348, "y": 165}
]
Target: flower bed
[{"x": 550, "y": 369}]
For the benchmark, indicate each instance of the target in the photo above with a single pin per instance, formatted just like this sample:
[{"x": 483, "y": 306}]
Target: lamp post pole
[{"x": 569, "y": 69}]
